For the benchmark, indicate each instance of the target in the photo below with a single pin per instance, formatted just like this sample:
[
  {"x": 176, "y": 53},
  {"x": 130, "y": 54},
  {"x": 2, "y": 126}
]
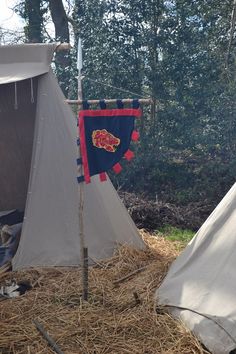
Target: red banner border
[{"x": 99, "y": 113}]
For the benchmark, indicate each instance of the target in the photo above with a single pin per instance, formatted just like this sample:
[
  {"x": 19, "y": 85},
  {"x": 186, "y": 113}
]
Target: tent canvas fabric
[
  {"x": 38, "y": 152},
  {"x": 200, "y": 287}
]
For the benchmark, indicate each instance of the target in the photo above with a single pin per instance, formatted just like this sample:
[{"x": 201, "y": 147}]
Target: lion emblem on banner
[{"x": 102, "y": 139}]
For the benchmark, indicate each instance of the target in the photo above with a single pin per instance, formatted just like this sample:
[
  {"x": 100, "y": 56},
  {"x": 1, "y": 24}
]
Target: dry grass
[{"x": 113, "y": 321}]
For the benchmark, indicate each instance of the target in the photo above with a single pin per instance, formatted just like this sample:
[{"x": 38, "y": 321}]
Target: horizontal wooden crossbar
[
  {"x": 144, "y": 101},
  {"x": 63, "y": 46}
]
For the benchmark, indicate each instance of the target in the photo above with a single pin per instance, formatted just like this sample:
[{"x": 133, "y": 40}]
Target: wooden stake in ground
[{"x": 50, "y": 341}]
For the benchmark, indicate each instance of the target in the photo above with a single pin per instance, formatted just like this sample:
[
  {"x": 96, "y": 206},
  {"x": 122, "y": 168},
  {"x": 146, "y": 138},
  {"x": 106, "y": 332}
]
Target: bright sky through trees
[{"x": 8, "y": 19}]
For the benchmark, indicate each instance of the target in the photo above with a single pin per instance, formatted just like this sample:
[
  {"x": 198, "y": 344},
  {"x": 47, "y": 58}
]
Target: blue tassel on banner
[
  {"x": 85, "y": 104},
  {"x": 102, "y": 104},
  {"x": 120, "y": 104},
  {"x": 80, "y": 179},
  {"x": 136, "y": 104}
]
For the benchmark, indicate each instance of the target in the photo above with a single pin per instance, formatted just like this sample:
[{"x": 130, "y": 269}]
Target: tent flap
[{"x": 23, "y": 61}]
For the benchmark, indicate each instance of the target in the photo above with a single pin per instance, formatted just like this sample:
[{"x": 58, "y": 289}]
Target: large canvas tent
[
  {"x": 38, "y": 151},
  {"x": 200, "y": 287}
]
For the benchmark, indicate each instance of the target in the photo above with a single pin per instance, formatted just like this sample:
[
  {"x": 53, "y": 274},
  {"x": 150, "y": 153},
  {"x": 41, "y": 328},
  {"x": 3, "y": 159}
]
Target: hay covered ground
[{"x": 118, "y": 319}]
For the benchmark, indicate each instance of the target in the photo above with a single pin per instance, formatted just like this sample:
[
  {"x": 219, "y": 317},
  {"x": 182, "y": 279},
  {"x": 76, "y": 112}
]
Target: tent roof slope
[
  {"x": 23, "y": 61},
  {"x": 200, "y": 286}
]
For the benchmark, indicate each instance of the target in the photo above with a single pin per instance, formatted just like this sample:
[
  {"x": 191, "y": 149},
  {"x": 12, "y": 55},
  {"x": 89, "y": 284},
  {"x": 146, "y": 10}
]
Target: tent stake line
[{"x": 144, "y": 101}]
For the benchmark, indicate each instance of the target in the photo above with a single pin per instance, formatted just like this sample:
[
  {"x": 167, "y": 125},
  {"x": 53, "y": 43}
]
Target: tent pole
[{"x": 83, "y": 249}]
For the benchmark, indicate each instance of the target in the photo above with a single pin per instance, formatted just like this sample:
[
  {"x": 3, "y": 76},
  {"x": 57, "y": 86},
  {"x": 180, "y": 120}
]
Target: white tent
[
  {"x": 200, "y": 287},
  {"x": 38, "y": 152}
]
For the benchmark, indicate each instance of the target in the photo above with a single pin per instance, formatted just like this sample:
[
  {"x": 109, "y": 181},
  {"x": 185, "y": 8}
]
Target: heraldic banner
[{"x": 104, "y": 138}]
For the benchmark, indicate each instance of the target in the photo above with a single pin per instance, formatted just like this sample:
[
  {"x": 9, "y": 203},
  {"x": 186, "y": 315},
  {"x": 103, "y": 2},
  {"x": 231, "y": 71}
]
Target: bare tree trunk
[{"x": 62, "y": 60}]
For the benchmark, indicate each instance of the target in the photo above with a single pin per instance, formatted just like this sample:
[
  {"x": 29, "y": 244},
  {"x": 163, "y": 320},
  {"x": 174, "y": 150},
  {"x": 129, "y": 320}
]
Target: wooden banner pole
[{"x": 83, "y": 249}]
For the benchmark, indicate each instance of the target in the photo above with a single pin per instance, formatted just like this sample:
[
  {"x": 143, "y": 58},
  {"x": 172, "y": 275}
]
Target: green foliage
[
  {"x": 188, "y": 147},
  {"x": 32, "y": 11},
  {"x": 176, "y": 234},
  {"x": 174, "y": 51}
]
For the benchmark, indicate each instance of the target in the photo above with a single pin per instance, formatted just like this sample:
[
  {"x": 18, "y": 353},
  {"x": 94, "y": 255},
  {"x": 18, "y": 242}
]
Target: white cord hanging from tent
[
  {"x": 32, "y": 90},
  {"x": 16, "y": 102}
]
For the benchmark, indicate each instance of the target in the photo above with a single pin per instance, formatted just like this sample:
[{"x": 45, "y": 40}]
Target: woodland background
[{"x": 179, "y": 52}]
